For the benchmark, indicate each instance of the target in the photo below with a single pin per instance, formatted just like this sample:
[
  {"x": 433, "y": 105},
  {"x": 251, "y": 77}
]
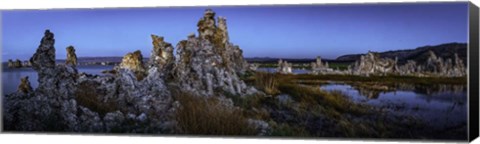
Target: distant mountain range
[{"x": 419, "y": 54}]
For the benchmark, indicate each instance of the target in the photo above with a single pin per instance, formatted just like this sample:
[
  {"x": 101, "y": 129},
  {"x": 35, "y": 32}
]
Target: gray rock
[
  {"x": 284, "y": 67},
  {"x": 162, "y": 55},
  {"x": 261, "y": 126},
  {"x": 372, "y": 64},
  {"x": 210, "y": 62},
  {"x": 135, "y": 98},
  {"x": 71, "y": 56},
  {"x": 45, "y": 55}
]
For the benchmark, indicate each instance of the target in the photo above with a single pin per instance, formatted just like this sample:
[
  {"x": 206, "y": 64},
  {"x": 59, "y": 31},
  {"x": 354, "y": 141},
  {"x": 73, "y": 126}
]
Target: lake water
[
  {"x": 440, "y": 109},
  {"x": 273, "y": 70},
  {"x": 11, "y": 77}
]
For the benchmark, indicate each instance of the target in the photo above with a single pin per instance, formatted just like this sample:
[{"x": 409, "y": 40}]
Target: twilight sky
[{"x": 274, "y": 31}]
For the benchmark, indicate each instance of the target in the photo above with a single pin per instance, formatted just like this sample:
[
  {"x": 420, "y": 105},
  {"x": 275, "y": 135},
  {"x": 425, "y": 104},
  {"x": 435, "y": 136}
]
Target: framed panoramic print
[{"x": 381, "y": 71}]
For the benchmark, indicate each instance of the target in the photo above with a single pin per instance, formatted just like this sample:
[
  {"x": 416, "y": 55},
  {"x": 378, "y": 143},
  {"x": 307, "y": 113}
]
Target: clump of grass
[
  {"x": 88, "y": 96},
  {"x": 207, "y": 116},
  {"x": 247, "y": 101},
  {"x": 267, "y": 82}
]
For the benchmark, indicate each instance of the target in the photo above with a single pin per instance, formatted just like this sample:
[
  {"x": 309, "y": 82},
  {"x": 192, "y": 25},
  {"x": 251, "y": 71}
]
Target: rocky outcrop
[
  {"x": 134, "y": 62},
  {"x": 137, "y": 97},
  {"x": 14, "y": 64},
  {"x": 162, "y": 55},
  {"x": 419, "y": 55},
  {"x": 319, "y": 67},
  {"x": 17, "y": 64},
  {"x": 209, "y": 63},
  {"x": 284, "y": 67},
  {"x": 10, "y": 63},
  {"x": 206, "y": 25},
  {"x": 410, "y": 68},
  {"x": 71, "y": 56},
  {"x": 372, "y": 64},
  {"x": 437, "y": 66},
  {"x": 51, "y": 106},
  {"x": 44, "y": 58},
  {"x": 459, "y": 68},
  {"x": 71, "y": 102}
]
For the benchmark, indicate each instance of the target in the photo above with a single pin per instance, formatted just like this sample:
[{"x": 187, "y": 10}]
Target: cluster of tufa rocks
[
  {"x": 137, "y": 97},
  {"x": 210, "y": 62},
  {"x": 162, "y": 55},
  {"x": 373, "y": 64},
  {"x": 14, "y": 64},
  {"x": 284, "y": 67},
  {"x": 320, "y": 67},
  {"x": 71, "y": 56},
  {"x": 437, "y": 66}
]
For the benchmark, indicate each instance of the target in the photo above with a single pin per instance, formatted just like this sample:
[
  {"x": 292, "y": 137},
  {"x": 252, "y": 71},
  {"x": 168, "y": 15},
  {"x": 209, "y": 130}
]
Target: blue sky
[{"x": 274, "y": 31}]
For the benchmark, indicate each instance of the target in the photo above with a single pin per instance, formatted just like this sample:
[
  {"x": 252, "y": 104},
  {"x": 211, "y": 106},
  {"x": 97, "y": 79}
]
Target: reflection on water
[
  {"x": 273, "y": 70},
  {"x": 11, "y": 77},
  {"x": 442, "y": 106}
]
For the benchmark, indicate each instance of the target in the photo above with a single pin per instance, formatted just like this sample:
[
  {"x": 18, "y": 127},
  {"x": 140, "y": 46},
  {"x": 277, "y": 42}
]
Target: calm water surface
[
  {"x": 11, "y": 77},
  {"x": 273, "y": 70},
  {"x": 440, "y": 109}
]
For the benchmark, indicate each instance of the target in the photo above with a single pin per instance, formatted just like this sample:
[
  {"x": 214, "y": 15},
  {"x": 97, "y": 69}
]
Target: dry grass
[
  {"x": 267, "y": 83},
  {"x": 87, "y": 96},
  {"x": 207, "y": 116}
]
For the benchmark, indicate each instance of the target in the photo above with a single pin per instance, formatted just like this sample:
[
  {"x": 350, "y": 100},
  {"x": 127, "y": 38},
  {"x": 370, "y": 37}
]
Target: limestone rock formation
[
  {"x": 410, "y": 68},
  {"x": 14, "y": 64},
  {"x": 25, "y": 86},
  {"x": 459, "y": 68},
  {"x": 69, "y": 102},
  {"x": 26, "y": 64},
  {"x": 206, "y": 25},
  {"x": 10, "y": 63},
  {"x": 440, "y": 67},
  {"x": 319, "y": 67},
  {"x": 44, "y": 58},
  {"x": 210, "y": 62},
  {"x": 71, "y": 56},
  {"x": 435, "y": 66},
  {"x": 137, "y": 98},
  {"x": 284, "y": 67},
  {"x": 162, "y": 55},
  {"x": 372, "y": 64},
  {"x": 52, "y": 105},
  {"x": 253, "y": 67},
  {"x": 134, "y": 62}
]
